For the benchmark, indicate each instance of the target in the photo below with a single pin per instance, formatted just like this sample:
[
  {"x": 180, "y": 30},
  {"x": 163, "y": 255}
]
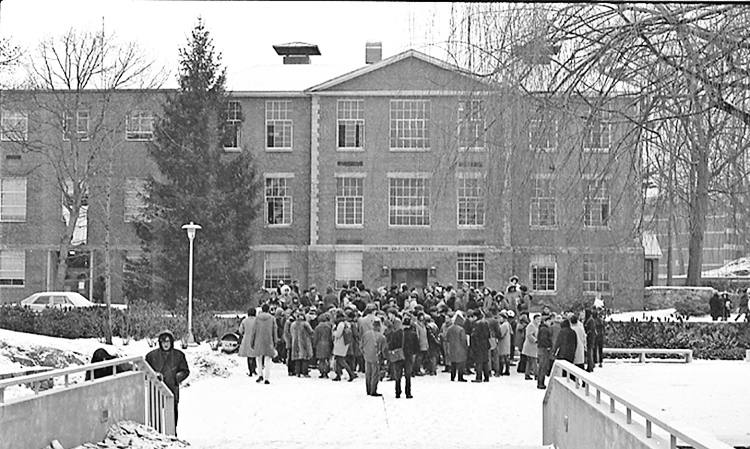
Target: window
[
  {"x": 14, "y": 126},
  {"x": 348, "y": 268},
  {"x": 351, "y": 124},
  {"x": 648, "y": 273},
  {"x": 276, "y": 268},
  {"x": 543, "y": 273},
  {"x": 77, "y": 125},
  {"x": 232, "y": 125},
  {"x": 471, "y": 269},
  {"x": 471, "y": 125},
  {"x": 410, "y": 124},
  {"x": 470, "y": 197},
  {"x": 135, "y": 189},
  {"x": 597, "y": 132},
  {"x": 13, "y": 199},
  {"x": 278, "y": 201},
  {"x": 12, "y": 268},
  {"x": 595, "y": 273},
  {"x": 409, "y": 202},
  {"x": 279, "y": 125},
  {"x": 542, "y": 207},
  {"x": 349, "y": 201},
  {"x": 543, "y": 133},
  {"x": 140, "y": 126},
  {"x": 596, "y": 203},
  {"x": 80, "y": 232}
]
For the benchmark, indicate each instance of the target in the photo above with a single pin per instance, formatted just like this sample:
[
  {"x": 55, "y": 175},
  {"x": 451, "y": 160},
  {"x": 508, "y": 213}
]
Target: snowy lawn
[{"x": 663, "y": 314}]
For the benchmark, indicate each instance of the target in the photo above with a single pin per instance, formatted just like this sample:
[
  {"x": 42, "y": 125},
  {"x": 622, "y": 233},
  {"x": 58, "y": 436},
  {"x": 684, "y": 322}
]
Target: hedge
[
  {"x": 141, "y": 320},
  {"x": 708, "y": 340}
]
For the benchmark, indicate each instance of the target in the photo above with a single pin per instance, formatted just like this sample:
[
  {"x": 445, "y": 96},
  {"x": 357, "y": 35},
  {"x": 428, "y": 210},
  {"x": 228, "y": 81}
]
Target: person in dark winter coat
[
  {"x": 715, "y": 306},
  {"x": 373, "y": 347},
  {"x": 564, "y": 347},
  {"x": 406, "y": 338},
  {"x": 245, "y": 329},
  {"x": 302, "y": 348},
  {"x": 263, "y": 340},
  {"x": 323, "y": 341},
  {"x": 170, "y": 365},
  {"x": 480, "y": 347},
  {"x": 101, "y": 355},
  {"x": 457, "y": 350},
  {"x": 544, "y": 350}
]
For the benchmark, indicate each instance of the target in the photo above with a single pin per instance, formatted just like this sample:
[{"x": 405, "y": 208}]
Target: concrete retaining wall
[
  {"x": 76, "y": 415},
  {"x": 571, "y": 421}
]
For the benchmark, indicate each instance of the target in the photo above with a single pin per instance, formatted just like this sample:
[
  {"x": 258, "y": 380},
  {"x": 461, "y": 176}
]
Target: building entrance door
[{"x": 413, "y": 277}]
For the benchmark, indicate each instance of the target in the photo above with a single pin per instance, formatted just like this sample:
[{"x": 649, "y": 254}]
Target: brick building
[{"x": 404, "y": 170}]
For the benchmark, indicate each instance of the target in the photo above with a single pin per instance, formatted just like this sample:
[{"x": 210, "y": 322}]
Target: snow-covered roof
[
  {"x": 651, "y": 247},
  {"x": 283, "y": 77}
]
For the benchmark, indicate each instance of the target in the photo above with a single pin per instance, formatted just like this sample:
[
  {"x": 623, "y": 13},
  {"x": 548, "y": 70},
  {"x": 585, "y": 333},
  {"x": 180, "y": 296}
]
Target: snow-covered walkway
[{"x": 291, "y": 412}]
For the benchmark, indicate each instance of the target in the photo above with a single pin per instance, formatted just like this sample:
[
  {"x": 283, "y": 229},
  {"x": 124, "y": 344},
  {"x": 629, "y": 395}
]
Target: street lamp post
[{"x": 190, "y": 228}]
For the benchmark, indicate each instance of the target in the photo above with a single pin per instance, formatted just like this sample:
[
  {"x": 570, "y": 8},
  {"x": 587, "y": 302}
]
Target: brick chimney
[
  {"x": 297, "y": 52},
  {"x": 373, "y": 52}
]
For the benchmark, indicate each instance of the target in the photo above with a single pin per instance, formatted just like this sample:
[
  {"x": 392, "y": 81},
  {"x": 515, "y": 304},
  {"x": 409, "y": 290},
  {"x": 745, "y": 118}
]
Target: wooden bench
[{"x": 688, "y": 353}]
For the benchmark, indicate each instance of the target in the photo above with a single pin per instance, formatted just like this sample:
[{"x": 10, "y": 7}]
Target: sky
[{"x": 243, "y": 31}]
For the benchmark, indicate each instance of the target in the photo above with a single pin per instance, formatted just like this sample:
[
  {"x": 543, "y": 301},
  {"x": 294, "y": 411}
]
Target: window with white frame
[
  {"x": 543, "y": 273},
  {"x": 12, "y": 268},
  {"x": 596, "y": 209},
  {"x": 276, "y": 267},
  {"x": 140, "y": 125},
  {"x": 470, "y": 269},
  {"x": 595, "y": 273},
  {"x": 76, "y": 125},
  {"x": 348, "y": 267},
  {"x": 232, "y": 125},
  {"x": 279, "y": 124},
  {"x": 470, "y": 198},
  {"x": 597, "y": 132},
  {"x": 410, "y": 124},
  {"x": 278, "y": 200},
  {"x": 543, "y": 133},
  {"x": 14, "y": 126},
  {"x": 349, "y": 201},
  {"x": 471, "y": 125},
  {"x": 543, "y": 204},
  {"x": 80, "y": 231},
  {"x": 13, "y": 199},
  {"x": 135, "y": 189},
  {"x": 351, "y": 124},
  {"x": 409, "y": 202}
]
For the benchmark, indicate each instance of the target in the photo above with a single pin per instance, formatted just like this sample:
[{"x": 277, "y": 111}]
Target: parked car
[{"x": 63, "y": 300}]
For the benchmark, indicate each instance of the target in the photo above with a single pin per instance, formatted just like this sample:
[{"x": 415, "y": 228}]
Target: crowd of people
[{"x": 399, "y": 333}]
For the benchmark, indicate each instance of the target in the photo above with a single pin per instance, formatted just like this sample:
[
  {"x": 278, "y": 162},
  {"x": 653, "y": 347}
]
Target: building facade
[{"x": 404, "y": 170}]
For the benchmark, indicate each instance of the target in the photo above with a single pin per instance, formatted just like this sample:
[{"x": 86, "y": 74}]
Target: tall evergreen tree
[{"x": 198, "y": 182}]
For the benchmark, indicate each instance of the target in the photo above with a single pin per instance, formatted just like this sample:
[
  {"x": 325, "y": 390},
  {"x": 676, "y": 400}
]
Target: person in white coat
[
  {"x": 340, "y": 347},
  {"x": 529, "y": 348},
  {"x": 577, "y": 326},
  {"x": 246, "y": 350}
]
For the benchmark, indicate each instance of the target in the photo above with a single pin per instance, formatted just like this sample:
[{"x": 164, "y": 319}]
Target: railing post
[
  {"x": 648, "y": 428},
  {"x": 672, "y": 442},
  {"x": 2, "y": 395},
  {"x": 67, "y": 381},
  {"x": 598, "y": 396},
  {"x": 629, "y": 414},
  {"x": 611, "y": 405}
]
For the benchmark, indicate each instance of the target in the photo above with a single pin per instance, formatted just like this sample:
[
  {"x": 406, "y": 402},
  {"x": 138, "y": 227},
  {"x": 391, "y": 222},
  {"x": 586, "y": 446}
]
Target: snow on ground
[{"x": 663, "y": 315}]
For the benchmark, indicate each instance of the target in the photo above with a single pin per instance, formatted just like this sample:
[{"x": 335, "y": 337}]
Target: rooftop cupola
[{"x": 297, "y": 52}]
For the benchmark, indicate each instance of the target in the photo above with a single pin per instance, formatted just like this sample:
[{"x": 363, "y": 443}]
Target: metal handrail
[
  {"x": 159, "y": 411},
  {"x": 587, "y": 381}
]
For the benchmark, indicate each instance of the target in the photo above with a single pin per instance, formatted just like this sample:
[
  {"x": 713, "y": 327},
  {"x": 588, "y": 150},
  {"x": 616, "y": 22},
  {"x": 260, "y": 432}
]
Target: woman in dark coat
[
  {"x": 457, "y": 350},
  {"x": 302, "y": 349},
  {"x": 480, "y": 347},
  {"x": 323, "y": 342},
  {"x": 590, "y": 327},
  {"x": 565, "y": 344}
]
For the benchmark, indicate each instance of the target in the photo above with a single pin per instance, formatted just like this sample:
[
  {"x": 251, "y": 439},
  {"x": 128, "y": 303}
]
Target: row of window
[
  {"x": 409, "y": 126},
  {"x": 470, "y": 268},
  {"x": 409, "y": 201}
]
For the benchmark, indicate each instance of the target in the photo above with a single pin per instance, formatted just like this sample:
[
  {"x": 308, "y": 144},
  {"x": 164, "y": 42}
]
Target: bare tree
[{"x": 79, "y": 89}]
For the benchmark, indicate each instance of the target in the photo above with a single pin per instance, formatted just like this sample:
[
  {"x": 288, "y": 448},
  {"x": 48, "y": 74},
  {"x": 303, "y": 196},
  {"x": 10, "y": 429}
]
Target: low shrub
[{"x": 712, "y": 340}]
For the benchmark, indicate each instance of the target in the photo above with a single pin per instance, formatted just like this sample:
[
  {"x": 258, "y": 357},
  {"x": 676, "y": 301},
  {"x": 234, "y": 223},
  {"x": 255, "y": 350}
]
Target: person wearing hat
[
  {"x": 373, "y": 347},
  {"x": 458, "y": 349},
  {"x": 503, "y": 343},
  {"x": 323, "y": 343},
  {"x": 406, "y": 338},
  {"x": 170, "y": 365}
]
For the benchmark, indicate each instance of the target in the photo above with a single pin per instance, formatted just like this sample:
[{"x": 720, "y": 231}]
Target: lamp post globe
[{"x": 191, "y": 231}]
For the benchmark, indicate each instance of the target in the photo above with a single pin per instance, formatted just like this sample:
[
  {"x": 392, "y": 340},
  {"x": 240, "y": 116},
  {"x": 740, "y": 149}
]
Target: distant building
[{"x": 404, "y": 170}]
